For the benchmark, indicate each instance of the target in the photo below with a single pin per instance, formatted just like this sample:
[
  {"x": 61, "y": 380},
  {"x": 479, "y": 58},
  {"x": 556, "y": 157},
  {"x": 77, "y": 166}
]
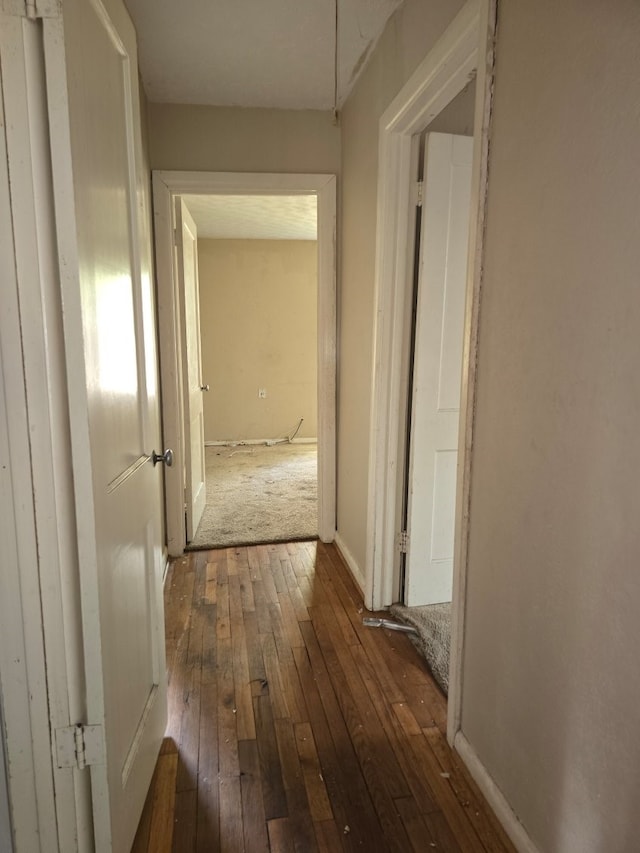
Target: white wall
[
  {"x": 551, "y": 690},
  {"x": 230, "y": 139}
]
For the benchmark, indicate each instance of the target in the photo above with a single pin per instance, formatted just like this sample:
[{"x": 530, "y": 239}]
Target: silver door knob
[
  {"x": 166, "y": 457},
  {"x": 204, "y": 387}
]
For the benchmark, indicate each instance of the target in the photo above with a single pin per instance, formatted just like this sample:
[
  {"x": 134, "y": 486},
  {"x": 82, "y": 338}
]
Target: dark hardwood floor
[{"x": 294, "y": 728}]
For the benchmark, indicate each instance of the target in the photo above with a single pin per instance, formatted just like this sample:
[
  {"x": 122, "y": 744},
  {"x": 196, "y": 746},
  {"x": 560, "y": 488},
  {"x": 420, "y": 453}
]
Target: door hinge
[
  {"x": 402, "y": 541},
  {"x": 80, "y": 746},
  {"x": 418, "y": 191}
]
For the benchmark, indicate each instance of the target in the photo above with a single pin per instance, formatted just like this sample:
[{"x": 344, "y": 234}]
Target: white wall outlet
[{"x": 262, "y": 393}]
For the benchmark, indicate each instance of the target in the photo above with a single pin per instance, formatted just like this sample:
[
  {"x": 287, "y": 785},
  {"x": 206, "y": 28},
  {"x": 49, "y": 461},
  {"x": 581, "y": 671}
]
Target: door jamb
[
  {"x": 464, "y": 48},
  {"x": 167, "y": 185},
  {"x": 41, "y": 668}
]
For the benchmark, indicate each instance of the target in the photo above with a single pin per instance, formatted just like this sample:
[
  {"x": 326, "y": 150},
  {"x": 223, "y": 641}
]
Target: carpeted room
[{"x": 258, "y": 318}]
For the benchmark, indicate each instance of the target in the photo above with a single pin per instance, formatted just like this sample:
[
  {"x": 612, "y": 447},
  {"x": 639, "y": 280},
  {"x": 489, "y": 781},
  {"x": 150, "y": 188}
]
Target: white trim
[
  {"x": 166, "y": 185},
  {"x": 351, "y": 563},
  {"x": 44, "y": 617},
  {"x": 438, "y": 79},
  {"x": 479, "y": 184},
  {"x": 494, "y": 796},
  {"x": 465, "y": 47},
  {"x": 269, "y": 442}
]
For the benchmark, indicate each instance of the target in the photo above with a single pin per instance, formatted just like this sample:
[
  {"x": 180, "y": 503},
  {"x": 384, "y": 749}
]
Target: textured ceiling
[
  {"x": 252, "y": 53},
  {"x": 251, "y": 217}
]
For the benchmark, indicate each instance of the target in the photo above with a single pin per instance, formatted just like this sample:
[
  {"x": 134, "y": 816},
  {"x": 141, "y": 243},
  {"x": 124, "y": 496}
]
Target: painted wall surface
[
  {"x": 457, "y": 116},
  {"x": 551, "y": 690},
  {"x": 228, "y": 139},
  {"x": 258, "y": 319},
  {"x": 407, "y": 38}
]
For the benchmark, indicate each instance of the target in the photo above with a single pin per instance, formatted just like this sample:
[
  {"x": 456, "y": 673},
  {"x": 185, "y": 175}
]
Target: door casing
[
  {"x": 465, "y": 49},
  {"x": 166, "y": 186},
  {"x": 195, "y": 491}
]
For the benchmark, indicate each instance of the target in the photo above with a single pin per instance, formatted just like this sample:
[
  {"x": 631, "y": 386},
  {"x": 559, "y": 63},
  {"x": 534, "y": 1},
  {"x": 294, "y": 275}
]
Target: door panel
[
  {"x": 114, "y": 417},
  {"x": 437, "y": 371},
  {"x": 187, "y": 259}
]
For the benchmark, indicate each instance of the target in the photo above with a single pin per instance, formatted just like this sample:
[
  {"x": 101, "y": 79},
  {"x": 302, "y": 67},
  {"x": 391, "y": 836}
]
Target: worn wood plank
[
  {"x": 208, "y": 817},
  {"x": 227, "y": 730},
  {"x": 290, "y": 622},
  {"x": 223, "y": 624},
  {"x": 275, "y": 801},
  {"x": 360, "y": 814},
  {"x": 164, "y": 795},
  {"x": 456, "y": 816},
  {"x": 184, "y": 823},
  {"x": 254, "y": 825},
  {"x": 188, "y": 735},
  {"x": 281, "y": 836},
  {"x": 245, "y": 723},
  {"x": 211, "y": 585},
  {"x": 419, "y": 833},
  {"x": 333, "y": 766},
  {"x": 484, "y": 821},
  {"x": 330, "y": 839},
  {"x": 366, "y": 730},
  {"x": 277, "y": 696},
  {"x": 317, "y": 795},
  {"x": 416, "y": 780},
  {"x": 295, "y": 790},
  {"x": 231, "y": 835},
  {"x": 407, "y": 720}
]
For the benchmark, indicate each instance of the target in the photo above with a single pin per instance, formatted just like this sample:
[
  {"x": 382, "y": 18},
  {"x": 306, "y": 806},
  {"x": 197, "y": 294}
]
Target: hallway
[{"x": 296, "y": 727}]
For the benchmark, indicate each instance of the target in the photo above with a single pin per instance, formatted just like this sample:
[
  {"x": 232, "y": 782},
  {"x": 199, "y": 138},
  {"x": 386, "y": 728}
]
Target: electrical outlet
[{"x": 262, "y": 393}]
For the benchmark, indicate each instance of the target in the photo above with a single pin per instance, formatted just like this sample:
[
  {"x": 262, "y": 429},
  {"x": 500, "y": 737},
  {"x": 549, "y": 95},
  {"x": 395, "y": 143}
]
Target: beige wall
[
  {"x": 408, "y": 37},
  {"x": 551, "y": 677},
  {"x": 457, "y": 116},
  {"x": 258, "y": 318},
  {"x": 242, "y": 140}
]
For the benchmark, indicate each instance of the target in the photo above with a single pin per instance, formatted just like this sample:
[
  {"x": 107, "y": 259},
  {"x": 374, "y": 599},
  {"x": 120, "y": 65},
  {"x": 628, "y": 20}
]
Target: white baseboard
[
  {"x": 250, "y": 441},
  {"x": 494, "y": 796},
  {"x": 352, "y": 565}
]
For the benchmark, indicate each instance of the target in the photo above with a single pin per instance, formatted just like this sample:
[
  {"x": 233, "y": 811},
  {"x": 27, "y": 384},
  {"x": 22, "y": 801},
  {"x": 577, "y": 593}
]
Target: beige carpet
[
  {"x": 259, "y": 494},
  {"x": 433, "y": 640}
]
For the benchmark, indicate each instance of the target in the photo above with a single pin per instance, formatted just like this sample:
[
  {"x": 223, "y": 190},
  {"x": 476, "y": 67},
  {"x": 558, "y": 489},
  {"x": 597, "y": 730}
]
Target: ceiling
[
  {"x": 254, "y": 217},
  {"x": 254, "y": 53}
]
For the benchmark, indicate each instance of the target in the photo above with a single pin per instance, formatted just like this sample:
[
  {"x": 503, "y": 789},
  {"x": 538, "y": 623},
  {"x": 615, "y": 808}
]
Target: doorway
[
  {"x": 256, "y": 275},
  {"x": 435, "y": 330},
  {"x": 167, "y": 187},
  {"x": 462, "y": 52}
]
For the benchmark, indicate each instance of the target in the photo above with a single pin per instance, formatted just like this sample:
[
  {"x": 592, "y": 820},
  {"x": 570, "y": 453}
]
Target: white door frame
[
  {"x": 167, "y": 185},
  {"x": 464, "y": 49},
  {"x": 41, "y": 667}
]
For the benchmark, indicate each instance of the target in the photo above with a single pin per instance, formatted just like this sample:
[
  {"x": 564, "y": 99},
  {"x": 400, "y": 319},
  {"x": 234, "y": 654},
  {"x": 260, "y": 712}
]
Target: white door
[
  {"x": 102, "y": 222},
  {"x": 437, "y": 370},
  {"x": 192, "y": 387}
]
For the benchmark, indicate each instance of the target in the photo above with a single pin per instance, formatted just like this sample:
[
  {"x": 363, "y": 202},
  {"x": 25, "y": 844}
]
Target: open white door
[
  {"x": 102, "y": 230},
  {"x": 437, "y": 369},
  {"x": 188, "y": 288}
]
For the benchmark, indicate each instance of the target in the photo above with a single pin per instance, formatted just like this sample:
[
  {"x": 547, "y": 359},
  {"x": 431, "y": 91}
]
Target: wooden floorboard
[{"x": 292, "y": 727}]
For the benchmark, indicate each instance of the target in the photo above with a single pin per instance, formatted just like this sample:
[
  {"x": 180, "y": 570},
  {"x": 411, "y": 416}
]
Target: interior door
[
  {"x": 187, "y": 261},
  {"x": 437, "y": 369},
  {"x": 102, "y": 221}
]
